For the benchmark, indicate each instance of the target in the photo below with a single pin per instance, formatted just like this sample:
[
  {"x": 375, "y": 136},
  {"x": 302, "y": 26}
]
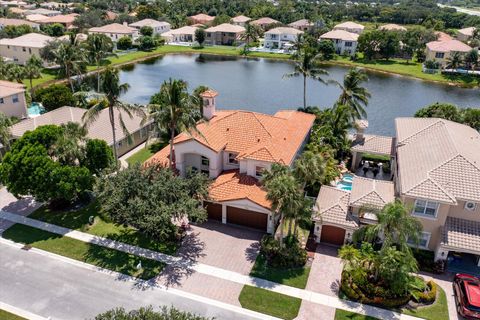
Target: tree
[
  {"x": 148, "y": 313},
  {"x": 54, "y": 96},
  {"x": 327, "y": 49},
  {"x": 150, "y": 198},
  {"x": 173, "y": 110},
  {"x": 146, "y": 31},
  {"x": 98, "y": 156},
  {"x": 251, "y": 34},
  {"x": 32, "y": 70},
  {"x": 200, "y": 36},
  {"x": 124, "y": 43},
  {"x": 309, "y": 169},
  {"x": 15, "y": 31},
  {"x": 390, "y": 45},
  {"x": 471, "y": 59},
  {"x": 149, "y": 11},
  {"x": 147, "y": 43},
  {"x": 5, "y": 134},
  {"x": 369, "y": 43},
  {"x": 306, "y": 66},
  {"x": 440, "y": 110},
  {"x": 454, "y": 61},
  {"x": 354, "y": 96},
  {"x": 69, "y": 145},
  {"x": 223, "y": 18},
  {"x": 116, "y": 109},
  {"x": 89, "y": 19},
  {"x": 53, "y": 30},
  {"x": 395, "y": 223},
  {"x": 99, "y": 46},
  {"x": 71, "y": 59},
  {"x": 471, "y": 117},
  {"x": 47, "y": 52}
]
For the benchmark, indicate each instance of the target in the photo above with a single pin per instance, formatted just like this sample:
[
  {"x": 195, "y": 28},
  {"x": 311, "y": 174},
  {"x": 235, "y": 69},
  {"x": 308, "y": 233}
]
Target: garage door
[
  {"x": 247, "y": 218},
  {"x": 214, "y": 210},
  {"x": 332, "y": 235}
]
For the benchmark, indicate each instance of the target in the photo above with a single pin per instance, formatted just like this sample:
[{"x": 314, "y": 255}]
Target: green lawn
[
  {"x": 141, "y": 156},
  {"x": 271, "y": 303},
  {"x": 89, "y": 253},
  {"x": 347, "y": 315},
  {"x": 79, "y": 220},
  {"x": 4, "y": 315},
  {"x": 437, "y": 311},
  {"x": 297, "y": 277}
]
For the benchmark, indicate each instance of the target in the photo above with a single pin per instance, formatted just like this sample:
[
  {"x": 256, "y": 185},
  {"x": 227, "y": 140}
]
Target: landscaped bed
[
  {"x": 89, "y": 253},
  {"x": 268, "y": 302},
  {"x": 79, "y": 220},
  {"x": 4, "y": 315}
]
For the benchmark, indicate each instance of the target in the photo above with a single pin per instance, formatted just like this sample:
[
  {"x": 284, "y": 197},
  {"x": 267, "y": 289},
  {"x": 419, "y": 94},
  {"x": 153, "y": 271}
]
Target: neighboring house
[
  {"x": 350, "y": 27},
  {"x": 442, "y": 36},
  {"x": 224, "y": 34},
  {"x": 234, "y": 148},
  {"x": 158, "y": 27},
  {"x": 35, "y": 17},
  {"x": 281, "y": 37},
  {"x": 465, "y": 34},
  {"x": 44, "y": 12},
  {"x": 345, "y": 42},
  {"x": 240, "y": 20},
  {"x": 20, "y": 49},
  {"x": 15, "y": 10},
  {"x": 115, "y": 31},
  {"x": 183, "y": 34},
  {"x": 110, "y": 15},
  {"x": 441, "y": 51},
  {"x": 265, "y": 22},
  {"x": 18, "y": 22},
  {"x": 64, "y": 19},
  {"x": 392, "y": 27},
  {"x": 99, "y": 129},
  {"x": 201, "y": 18},
  {"x": 303, "y": 25},
  {"x": 12, "y": 99}
]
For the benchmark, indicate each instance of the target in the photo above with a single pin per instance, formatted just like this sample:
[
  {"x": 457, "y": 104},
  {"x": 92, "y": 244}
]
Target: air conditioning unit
[{"x": 470, "y": 206}]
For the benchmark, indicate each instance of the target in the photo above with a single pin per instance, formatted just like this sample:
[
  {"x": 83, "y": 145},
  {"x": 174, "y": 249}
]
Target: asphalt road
[{"x": 51, "y": 287}]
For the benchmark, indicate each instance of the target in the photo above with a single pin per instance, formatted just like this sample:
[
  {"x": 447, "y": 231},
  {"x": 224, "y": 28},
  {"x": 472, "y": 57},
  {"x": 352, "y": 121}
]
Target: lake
[{"x": 258, "y": 85}]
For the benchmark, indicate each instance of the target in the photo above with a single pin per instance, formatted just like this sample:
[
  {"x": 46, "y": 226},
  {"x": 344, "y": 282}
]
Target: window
[
  {"x": 423, "y": 240},
  {"x": 259, "y": 171},
  {"x": 231, "y": 158},
  {"x": 205, "y": 161},
  {"x": 24, "y": 49},
  {"x": 439, "y": 55},
  {"x": 348, "y": 44},
  {"x": 143, "y": 133},
  {"x": 15, "y": 98},
  {"x": 426, "y": 208},
  {"x": 30, "y": 50},
  {"x": 2, "y": 101}
]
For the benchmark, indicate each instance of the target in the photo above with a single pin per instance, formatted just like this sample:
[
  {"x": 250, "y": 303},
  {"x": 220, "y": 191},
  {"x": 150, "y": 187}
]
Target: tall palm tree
[
  {"x": 113, "y": 89},
  {"x": 395, "y": 223},
  {"x": 5, "y": 134},
  {"x": 32, "y": 70},
  {"x": 354, "y": 96},
  {"x": 69, "y": 147},
  {"x": 251, "y": 34},
  {"x": 307, "y": 66},
  {"x": 471, "y": 59},
  {"x": 71, "y": 58},
  {"x": 454, "y": 61},
  {"x": 174, "y": 110},
  {"x": 99, "y": 46},
  {"x": 309, "y": 168}
]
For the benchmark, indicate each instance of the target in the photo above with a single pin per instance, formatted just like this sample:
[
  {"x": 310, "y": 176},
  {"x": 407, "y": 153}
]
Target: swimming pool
[
  {"x": 35, "y": 109},
  {"x": 346, "y": 182}
]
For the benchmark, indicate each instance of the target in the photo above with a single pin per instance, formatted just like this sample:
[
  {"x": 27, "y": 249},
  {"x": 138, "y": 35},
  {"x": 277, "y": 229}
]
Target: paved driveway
[
  {"x": 324, "y": 278},
  {"x": 11, "y": 204},
  {"x": 445, "y": 281}
]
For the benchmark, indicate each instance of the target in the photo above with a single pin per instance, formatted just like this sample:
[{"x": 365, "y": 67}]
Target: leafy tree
[
  {"x": 72, "y": 60},
  {"x": 150, "y": 198},
  {"x": 98, "y": 156},
  {"x": 252, "y": 34},
  {"x": 309, "y": 169},
  {"x": 223, "y": 18},
  {"x": 12, "y": 72},
  {"x": 33, "y": 69},
  {"x": 15, "y": 31},
  {"x": 440, "y": 110},
  {"x": 148, "y": 313},
  {"x": 5, "y": 134},
  {"x": 354, "y": 96},
  {"x": 200, "y": 36},
  {"x": 53, "y": 30},
  {"x": 307, "y": 66},
  {"x": 46, "y": 53},
  {"x": 454, "y": 61},
  {"x": 471, "y": 117},
  {"x": 112, "y": 89},
  {"x": 69, "y": 145},
  {"x": 89, "y": 19},
  {"x": 146, "y": 31},
  {"x": 327, "y": 49},
  {"x": 173, "y": 110},
  {"x": 149, "y": 11},
  {"x": 124, "y": 43},
  {"x": 369, "y": 42},
  {"x": 147, "y": 43},
  {"x": 99, "y": 46},
  {"x": 54, "y": 96},
  {"x": 390, "y": 45},
  {"x": 471, "y": 59}
]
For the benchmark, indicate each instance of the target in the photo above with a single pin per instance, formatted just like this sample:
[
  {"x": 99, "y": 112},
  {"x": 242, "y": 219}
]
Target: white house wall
[{"x": 193, "y": 147}]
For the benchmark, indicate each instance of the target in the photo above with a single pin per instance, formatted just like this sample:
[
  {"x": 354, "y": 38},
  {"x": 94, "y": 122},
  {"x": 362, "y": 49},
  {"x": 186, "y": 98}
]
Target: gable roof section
[
  {"x": 448, "y": 46},
  {"x": 29, "y": 40},
  {"x": 373, "y": 144},
  {"x": 8, "y": 88},
  {"x": 240, "y": 19},
  {"x": 113, "y": 28},
  {"x": 371, "y": 192},
  {"x": 438, "y": 159},
  {"x": 340, "y": 34},
  {"x": 332, "y": 207},
  {"x": 226, "y": 27},
  {"x": 349, "y": 25}
]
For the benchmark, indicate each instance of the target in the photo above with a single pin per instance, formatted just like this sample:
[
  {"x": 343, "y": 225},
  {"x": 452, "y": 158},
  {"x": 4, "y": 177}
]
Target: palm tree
[
  {"x": 112, "y": 89},
  {"x": 70, "y": 58},
  {"x": 251, "y": 34},
  {"x": 15, "y": 72},
  {"x": 395, "y": 223},
  {"x": 454, "y": 60},
  {"x": 354, "y": 96},
  {"x": 5, "y": 134},
  {"x": 32, "y": 70},
  {"x": 174, "y": 110},
  {"x": 309, "y": 168},
  {"x": 471, "y": 59},
  {"x": 99, "y": 46},
  {"x": 69, "y": 147},
  {"x": 306, "y": 66}
]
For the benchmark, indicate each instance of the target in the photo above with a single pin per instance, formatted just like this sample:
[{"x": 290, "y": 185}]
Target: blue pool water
[
  {"x": 35, "y": 109},
  {"x": 346, "y": 182}
]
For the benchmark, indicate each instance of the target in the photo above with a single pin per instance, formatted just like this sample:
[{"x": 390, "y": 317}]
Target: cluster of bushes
[
  {"x": 467, "y": 116},
  {"x": 427, "y": 296},
  {"x": 291, "y": 255},
  {"x": 426, "y": 261},
  {"x": 148, "y": 313}
]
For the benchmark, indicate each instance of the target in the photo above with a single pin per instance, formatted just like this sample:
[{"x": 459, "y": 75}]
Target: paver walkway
[{"x": 310, "y": 296}]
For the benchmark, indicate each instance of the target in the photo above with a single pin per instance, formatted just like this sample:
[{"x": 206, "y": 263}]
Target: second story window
[
  {"x": 15, "y": 98},
  {"x": 348, "y": 44},
  {"x": 426, "y": 208},
  {"x": 205, "y": 161},
  {"x": 232, "y": 158},
  {"x": 439, "y": 55},
  {"x": 259, "y": 171}
]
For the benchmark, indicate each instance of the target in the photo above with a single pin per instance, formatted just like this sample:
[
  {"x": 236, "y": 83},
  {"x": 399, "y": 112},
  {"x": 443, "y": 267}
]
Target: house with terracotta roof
[
  {"x": 303, "y": 25},
  {"x": 44, "y": 12},
  {"x": 18, "y": 22},
  {"x": 240, "y": 20},
  {"x": 64, "y": 19},
  {"x": 180, "y": 35},
  {"x": 281, "y": 37},
  {"x": 265, "y": 23},
  {"x": 201, "y": 18},
  {"x": 234, "y": 147},
  {"x": 350, "y": 26},
  {"x": 20, "y": 49},
  {"x": 35, "y": 17},
  {"x": 392, "y": 27},
  {"x": 224, "y": 34},
  {"x": 465, "y": 34},
  {"x": 345, "y": 42},
  {"x": 158, "y": 27},
  {"x": 115, "y": 31},
  {"x": 12, "y": 99},
  {"x": 441, "y": 51}
]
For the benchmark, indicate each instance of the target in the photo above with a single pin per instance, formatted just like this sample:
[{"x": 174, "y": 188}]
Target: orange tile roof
[
  {"x": 254, "y": 135},
  {"x": 209, "y": 93},
  {"x": 232, "y": 185},
  {"x": 161, "y": 157}
]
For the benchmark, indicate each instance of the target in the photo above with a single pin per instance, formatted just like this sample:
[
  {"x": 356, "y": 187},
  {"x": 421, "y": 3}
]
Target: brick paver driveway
[
  {"x": 223, "y": 246},
  {"x": 324, "y": 278}
]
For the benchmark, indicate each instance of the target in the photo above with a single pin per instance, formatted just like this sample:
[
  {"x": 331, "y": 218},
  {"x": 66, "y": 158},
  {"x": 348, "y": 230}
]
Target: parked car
[{"x": 467, "y": 295}]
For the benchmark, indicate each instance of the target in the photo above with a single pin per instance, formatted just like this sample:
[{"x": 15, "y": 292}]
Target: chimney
[
  {"x": 361, "y": 126},
  {"x": 125, "y": 23},
  {"x": 208, "y": 103}
]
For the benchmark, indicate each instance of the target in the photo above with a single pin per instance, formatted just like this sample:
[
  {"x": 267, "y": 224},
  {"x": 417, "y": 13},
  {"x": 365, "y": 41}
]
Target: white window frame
[
  {"x": 425, "y": 207},
  {"x": 424, "y": 235}
]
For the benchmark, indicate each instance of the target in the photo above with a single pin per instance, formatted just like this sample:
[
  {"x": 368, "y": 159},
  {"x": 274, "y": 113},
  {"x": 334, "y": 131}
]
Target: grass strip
[
  {"x": 4, "y": 315},
  {"x": 437, "y": 311},
  {"x": 347, "y": 315},
  {"x": 85, "y": 252}
]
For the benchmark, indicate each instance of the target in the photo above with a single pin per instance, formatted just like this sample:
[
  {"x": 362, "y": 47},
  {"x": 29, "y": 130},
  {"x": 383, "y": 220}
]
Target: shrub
[
  {"x": 146, "y": 31},
  {"x": 289, "y": 256},
  {"x": 98, "y": 156},
  {"x": 429, "y": 295},
  {"x": 54, "y": 96},
  {"x": 124, "y": 43},
  {"x": 147, "y": 43}
]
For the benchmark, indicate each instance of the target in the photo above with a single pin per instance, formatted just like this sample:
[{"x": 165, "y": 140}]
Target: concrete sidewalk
[{"x": 310, "y": 296}]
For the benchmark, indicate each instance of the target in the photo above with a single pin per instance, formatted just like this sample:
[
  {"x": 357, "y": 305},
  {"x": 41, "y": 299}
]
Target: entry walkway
[{"x": 307, "y": 295}]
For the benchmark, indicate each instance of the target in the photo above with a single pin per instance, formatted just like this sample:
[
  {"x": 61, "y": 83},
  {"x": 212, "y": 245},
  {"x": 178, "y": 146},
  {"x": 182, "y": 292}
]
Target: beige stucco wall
[
  {"x": 14, "y": 109},
  {"x": 137, "y": 138},
  {"x": 193, "y": 147},
  {"x": 222, "y": 38},
  {"x": 430, "y": 55},
  {"x": 18, "y": 54}
]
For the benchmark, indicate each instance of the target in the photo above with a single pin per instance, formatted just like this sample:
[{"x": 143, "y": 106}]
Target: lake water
[{"x": 258, "y": 85}]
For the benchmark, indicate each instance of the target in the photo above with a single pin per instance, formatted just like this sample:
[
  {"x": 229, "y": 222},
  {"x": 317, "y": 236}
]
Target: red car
[{"x": 467, "y": 295}]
